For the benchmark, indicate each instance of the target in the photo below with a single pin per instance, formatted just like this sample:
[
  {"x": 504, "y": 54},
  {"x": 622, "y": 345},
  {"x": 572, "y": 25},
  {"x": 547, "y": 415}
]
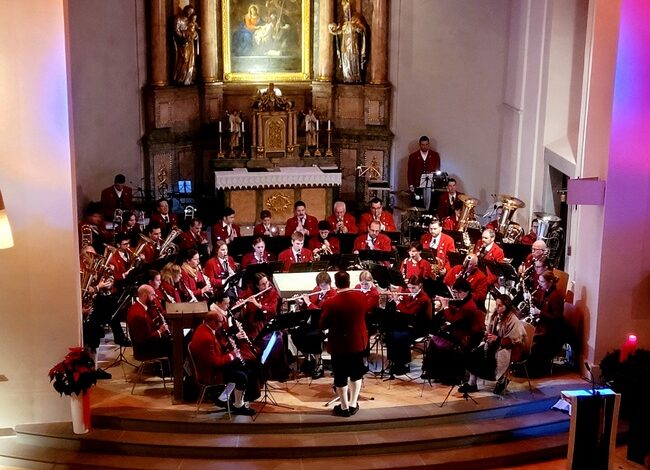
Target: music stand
[
  {"x": 239, "y": 246},
  {"x": 376, "y": 255},
  {"x": 301, "y": 267},
  {"x": 426, "y": 183},
  {"x": 466, "y": 396},
  {"x": 267, "y": 397}
]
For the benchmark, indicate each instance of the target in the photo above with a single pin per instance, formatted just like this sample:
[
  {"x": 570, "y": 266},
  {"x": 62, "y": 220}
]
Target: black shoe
[
  {"x": 101, "y": 374},
  {"x": 243, "y": 410},
  {"x": 318, "y": 373},
  {"x": 338, "y": 411},
  {"x": 467, "y": 388},
  {"x": 500, "y": 387},
  {"x": 399, "y": 370},
  {"x": 221, "y": 403},
  {"x": 353, "y": 410},
  {"x": 308, "y": 366}
]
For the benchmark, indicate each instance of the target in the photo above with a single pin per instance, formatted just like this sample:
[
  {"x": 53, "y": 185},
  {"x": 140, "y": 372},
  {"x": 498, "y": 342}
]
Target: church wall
[
  {"x": 108, "y": 65},
  {"x": 447, "y": 66},
  {"x": 39, "y": 276}
]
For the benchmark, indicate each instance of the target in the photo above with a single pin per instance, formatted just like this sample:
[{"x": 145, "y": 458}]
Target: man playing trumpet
[
  {"x": 340, "y": 221},
  {"x": 324, "y": 243}
]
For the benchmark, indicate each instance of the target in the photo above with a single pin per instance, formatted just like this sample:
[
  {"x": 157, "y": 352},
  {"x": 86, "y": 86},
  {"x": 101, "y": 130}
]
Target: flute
[{"x": 248, "y": 299}]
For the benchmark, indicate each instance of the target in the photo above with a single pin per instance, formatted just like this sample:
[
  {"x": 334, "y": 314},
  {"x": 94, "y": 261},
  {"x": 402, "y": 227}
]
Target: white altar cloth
[{"x": 241, "y": 178}]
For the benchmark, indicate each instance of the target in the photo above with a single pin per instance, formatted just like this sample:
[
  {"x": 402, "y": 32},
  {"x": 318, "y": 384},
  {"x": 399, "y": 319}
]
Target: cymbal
[{"x": 511, "y": 201}]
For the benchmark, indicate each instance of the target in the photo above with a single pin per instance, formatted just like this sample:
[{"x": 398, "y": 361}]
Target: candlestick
[
  {"x": 628, "y": 347},
  {"x": 242, "y": 126},
  {"x": 220, "y": 130},
  {"x": 329, "y": 125},
  {"x": 317, "y": 125}
]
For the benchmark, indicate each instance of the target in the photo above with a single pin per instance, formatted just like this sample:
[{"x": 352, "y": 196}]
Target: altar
[{"x": 249, "y": 191}]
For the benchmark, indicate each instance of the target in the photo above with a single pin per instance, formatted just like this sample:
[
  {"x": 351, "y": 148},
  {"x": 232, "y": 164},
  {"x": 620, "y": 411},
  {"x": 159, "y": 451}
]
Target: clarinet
[
  {"x": 189, "y": 291},
  {"x": 240, "y": 328},
  {"x": 160, "y": 319},
  {"x": 235, "y": 349}
]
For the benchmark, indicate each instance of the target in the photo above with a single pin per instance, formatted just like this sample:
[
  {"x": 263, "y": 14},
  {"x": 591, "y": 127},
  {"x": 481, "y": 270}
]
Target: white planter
[{"x": 80, "y": 409}]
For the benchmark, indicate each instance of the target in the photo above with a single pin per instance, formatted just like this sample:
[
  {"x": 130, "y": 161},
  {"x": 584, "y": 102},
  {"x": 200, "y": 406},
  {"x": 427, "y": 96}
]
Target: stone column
[
  {"x": 379, "y": 44},
  {"x": 208, "y": 41},
  {"x": 158, "y": 43},
  {"x": 325, "y": 41}
]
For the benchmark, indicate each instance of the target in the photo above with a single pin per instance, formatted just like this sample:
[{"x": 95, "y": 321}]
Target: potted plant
[{"x": 74, "y": 376}]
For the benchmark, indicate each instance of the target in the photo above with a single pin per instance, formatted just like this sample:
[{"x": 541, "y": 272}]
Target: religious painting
[{"x": 266, "y": 40}]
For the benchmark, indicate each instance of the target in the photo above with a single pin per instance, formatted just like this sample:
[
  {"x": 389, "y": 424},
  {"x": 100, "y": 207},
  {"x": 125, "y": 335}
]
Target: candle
[
  {"x": 242, "y": 126},
  {"x": 317, "y": 125},
  {"x": 628, "y": 347},
  {"x": 219, "y": 127},
  {"x": 329, "y": 125}
]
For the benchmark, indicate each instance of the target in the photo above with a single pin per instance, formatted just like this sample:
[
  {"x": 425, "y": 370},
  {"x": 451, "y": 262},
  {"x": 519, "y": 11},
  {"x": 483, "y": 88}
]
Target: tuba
[
  {"x": 86, "y": 235},
  {"x": 90, "y": 269},
  {"x": 467, "y": 214},
  {"x": 513, "y": 234},
  {"x": 168, "y": 247},
  {"x": 510, "y": 205}
]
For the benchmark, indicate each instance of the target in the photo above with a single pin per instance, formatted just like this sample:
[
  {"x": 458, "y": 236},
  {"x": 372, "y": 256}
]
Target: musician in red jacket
[
  {"x": 163, "y": 217},
  {"x": 423, "y": 160},
  {"x": 295, "y": 254},
  {"x": 439, "y": 243},
  {"x": 301, "y": 221},
  {"x": 151, "y": 251},
  {"x": 221, "y": 266},
  {"x": 259, "y": 254},
  {"x": 477, "y": 280},
  {"x": 341, "y": 221},
  {"x": 265, "y": 228},
  {"x": 415, "y": 265},
  {"x": 226, "y": 229},
  {"x": 217, "y": 362},
  {"x": 121, "y": 258},
  {"x": 150, "y": 339},
  {"x": 170, "y": 278},
  {"x": 373, "y": 240},
  {"x": 377, "y": 213},
  {"x": 446, "y": 202},
  {"x": 195, "y": 285},
  {"x": 345, "y": 317},
  {"x": 488, "y": 251},
  {"x": 367, "y": 287},
  {"x": 118, "y": 196},
  {"x": 324, "y": 242},
  {"x": 195, "y": 238}
]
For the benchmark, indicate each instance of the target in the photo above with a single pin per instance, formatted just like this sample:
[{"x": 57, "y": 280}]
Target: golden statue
[{"x": 350, "y": 44}]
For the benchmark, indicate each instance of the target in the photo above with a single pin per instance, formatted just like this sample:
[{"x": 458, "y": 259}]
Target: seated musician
[
  {"x": 150, "y": 335},
  {"x": 225, "y": 229},
  {"x": 170, "y": 278},
  {"x": 367, "y": 287},
  {"x": 462, "y": 330},
  {"x": 491, "y": 359},
  {"x": 538, "y": 251},
  {"x": 295, "y": 254},
  {"x": 195, "y": 238},
  {"x": 372, "y": 240},
  {"x": 259, "y": 305},
  {"x": 265, "y": 228},
  {"x": 415, "y": 265},
  {"x": 377, "y": 213},
  {"x": 488, "y": 251},
  {"x": 413, "y": 319},
  {"x": 92, "y": 228},
  {"x": 121, "y": 259},
  {"x": 195, "y": 285},
  {"x": 163, "y": 218},
  {"x": 340, "y": 221},
  {"x": 259, "y": 254},
  {"x": 217, "y": 362},
  {"x": 477, "y": 280},
  {"x": 221, "y": 266},
  {"x": 548, "y": 339},
  {"x": 130, "y": 226},
  {"x": 324, "y": 243},
  {"x": 153, "y": 278},
  {"x": 301, "y": 221},
  {"x": 439, "y": 243},
  {"x": 496, "y": 212},
  {"x": 308, "y": 337},
  {"x": 151, "y": 251},
  {"x": 446, "y": 201},
  {"x": 451, "y": 222}
]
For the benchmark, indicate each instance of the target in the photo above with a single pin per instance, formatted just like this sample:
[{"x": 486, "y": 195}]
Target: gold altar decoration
[{"x": 275, "y": 126}]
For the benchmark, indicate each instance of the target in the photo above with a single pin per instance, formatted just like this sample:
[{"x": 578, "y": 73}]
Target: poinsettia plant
[{"x": 75, "y": 373}]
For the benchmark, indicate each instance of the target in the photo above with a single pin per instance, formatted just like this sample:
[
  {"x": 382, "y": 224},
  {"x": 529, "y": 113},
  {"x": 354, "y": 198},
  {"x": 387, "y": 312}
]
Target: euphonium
[
  {"x": 134, "y": 255},
  {"x": 467, "y": 214},
  {"x": 168, "y": 247},
  {"x": 89, "y": 277},
  {"x": 86, "y": 235}
]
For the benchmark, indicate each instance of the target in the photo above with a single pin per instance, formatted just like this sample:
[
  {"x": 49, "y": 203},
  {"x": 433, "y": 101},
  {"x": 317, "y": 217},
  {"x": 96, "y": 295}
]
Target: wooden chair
[
  {"x": 203, "y": 387},
  {"x": 145, "y": 362}
]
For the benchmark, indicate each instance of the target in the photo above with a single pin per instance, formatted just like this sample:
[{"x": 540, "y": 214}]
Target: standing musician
[
  {"x": 377, "y": 213},
  {"x": 150, "y": 339},
  {"x": 163, "y": 218},
  {"x": 324, "y": 243},
  {"x": 344, "y": 316},
  {"x": 117, "y": 196},
  {"x": 439, "y": 243},
  {"x": 170, "y": 278},
  {"x": 415, "y": 265},
  {"x": 195, "y": 285},
  {"x": 446, "y": 202},
  {"x": 488, "y": 251},
  {"x": 301, "y": 221},
  {"x": 221, "y": 266},
  {"x": 340, "y": 221},
  {"x": 413, "y": 319},
  {"x": 462, "y": 331},
  {"x": 226, "y": 229},
  {"x": 372, "y": 240},
  {"x": 469, "y": 271},
  {"x": 217, "y": 362},
  {"x": 295, "y": 254},
  {"x": 548, "y": 339},
  {"x": 259, "y": 254},
  {"x": 195, "y": 238},
  {"x": 265, "y": 228},
  {"x": 490, "y": 360},
  {"x": 424, "y": 160}
]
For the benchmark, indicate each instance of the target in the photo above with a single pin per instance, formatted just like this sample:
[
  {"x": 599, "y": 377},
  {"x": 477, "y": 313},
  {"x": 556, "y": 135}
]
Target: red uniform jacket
[
  {"x": 445, "y": 206},
  {"x": 420, "y": 308},
  {"x": 165, "y": 227},
  {"x": 495, "y": 254},
  {"x": 382, "y": 243},
  {"x": 190, "y": 284},
  {"x": 348, "y": 222},
  {"x": 260, "y": 231},
  {"x": 251, "y": 259},
  {"x": 288, "y": 258},
  {"x": 150, "y": 253},
  {"x": 317, "y": 242},
  {"x": 210, "y": 354},
  {"x": 188, "y": 240},
  {"x": 311, "y": 224},
  {"x": 220, "y": 232},
  {"x": 386, "y": 218},
  {"x": 417, "y": 166},
  {"x": 317, "y": 300},
  {"x": 450, "y": 223},
  {"x": 372, "y": 298},
  {"x": 254, "y": 319},
  {"x": 477, "y": 282},
  {"x": 119, "y": 267},
  {"x": 109, "y": 201},
  {"x": 170, "y": 293},
  {"x": 215, "y": 270},
  {"x": 147, "y": 343},
  {"x": 551, "y": 315},
  {"x": 422, "y": 269},
  {"x": 445, "y": 245},
  {"x": 467, "y": 322},
  {"x": 345, "y": 316}
]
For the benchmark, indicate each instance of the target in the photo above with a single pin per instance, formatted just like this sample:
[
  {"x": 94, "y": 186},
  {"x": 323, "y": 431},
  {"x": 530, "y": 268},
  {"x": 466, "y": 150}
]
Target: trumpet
[
  {"x": 249, "y": 299},
  {"x": 325, "y": 249}
]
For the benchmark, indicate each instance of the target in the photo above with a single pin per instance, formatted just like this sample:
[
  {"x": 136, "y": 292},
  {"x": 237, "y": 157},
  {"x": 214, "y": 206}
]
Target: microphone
[{"x": 593, "y": 380}]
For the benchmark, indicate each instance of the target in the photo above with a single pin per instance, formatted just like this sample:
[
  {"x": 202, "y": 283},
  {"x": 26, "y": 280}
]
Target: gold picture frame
[{"x": 266, "y": 41}]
